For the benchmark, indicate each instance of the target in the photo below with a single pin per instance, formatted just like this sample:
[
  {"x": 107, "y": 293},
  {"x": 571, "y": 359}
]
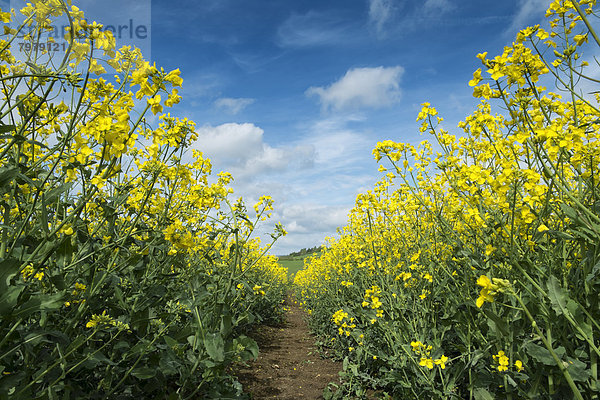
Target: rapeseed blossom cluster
[
  {"x": 113, "y": 225},
  {"x": 503, "y": 362},
  {"x": 344, "y": 322},
  {"x": 29, "y": 272},
  {"x": 97, "y": 321},
  {"x": 505, "y": 213},
  {"x": 258, "y": 290},
  {"x": 490, "y": 288},
  {"x": 424, "y": 352}
]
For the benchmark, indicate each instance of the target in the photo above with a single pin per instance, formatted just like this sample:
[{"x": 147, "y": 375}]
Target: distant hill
[
  {"x": 303, "y": 253},
  {"x": 295, "y": 260}
]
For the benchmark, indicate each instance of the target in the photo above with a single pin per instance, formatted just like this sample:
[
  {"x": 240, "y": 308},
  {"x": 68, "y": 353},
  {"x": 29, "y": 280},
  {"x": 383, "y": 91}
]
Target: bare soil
[{"x": 289, "y": 365}]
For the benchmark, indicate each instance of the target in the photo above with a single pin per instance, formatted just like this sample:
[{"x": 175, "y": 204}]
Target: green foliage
[
  {"x": 471, "y": 270},
  {"x": 304, "y": 252},
  {"x": 291, "y": 265},
  {"x": 123, "y": 273}
]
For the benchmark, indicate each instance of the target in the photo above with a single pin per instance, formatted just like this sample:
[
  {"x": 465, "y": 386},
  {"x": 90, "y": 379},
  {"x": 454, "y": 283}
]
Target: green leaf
[
  {"x": 250, "y": 347},
  {"x": 581, "y": 226},
  {"x": 562, "y": 235},
  {"x": 542, "y": 355},
  {"x": 8, "y": 299},
  {"x": 36, "y": 143},
  {"x": 577, "y": 369},
  {"x": 7, "y": 128},
  {"x": 144, "y": 372},
  {"x": 511, "y": 381},
  {"x": 476, "y": 356},
  {"x": 140, "y": 320},
  {"x": 121, "y": 345},
  {"x": 79, "y": 340},
  {"x": 58, "y": 281},
  {"x": 226, "y": 324},
  {"x": 34, "y": 67},
  {"x": 569, "y": 211},
  {"x": 170, "y": 341},
  {"x": 561, "y": 302},
  {"x": 35, "y": 338},
  {"x": 8, "y": 268},
  {"x": 52, "y": 195},
  {"x": 44, "y": 302},
  {"x": 500, "y": 324},
  {"x": 168, "y": 366},
  {"x": 594, "y": 273},
  {"x": 215, "y": 347},
  {"x": 482, "y": 394},
  {"x": 7, "y": 174},
  {"x": 96, "y": 359},
  {"x": 139, "y": 348}
]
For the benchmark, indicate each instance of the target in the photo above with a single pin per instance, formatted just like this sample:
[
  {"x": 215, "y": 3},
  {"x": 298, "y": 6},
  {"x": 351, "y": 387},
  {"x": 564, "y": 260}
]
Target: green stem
[
  {"x": 60, "y": 360},
  {"x": 143, "y": 353},
  {"x": 586, "y": 21},
  {"x": 548, "y": 346}
]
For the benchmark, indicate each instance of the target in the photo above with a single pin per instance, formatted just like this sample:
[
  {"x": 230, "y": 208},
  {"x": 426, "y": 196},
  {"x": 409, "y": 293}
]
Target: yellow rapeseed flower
[
  {"x": 488, "y": 292},
  {"x": 102, "y": 319},
  {"x": 519, "y": 365},
  {"x": 502, "y": 359},
  {"x": 426, "y": 362},
  {"x": 441, "y": 361}
]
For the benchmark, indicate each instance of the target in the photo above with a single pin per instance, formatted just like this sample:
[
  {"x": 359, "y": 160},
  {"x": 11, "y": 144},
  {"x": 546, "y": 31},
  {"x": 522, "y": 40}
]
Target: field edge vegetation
[
  {"x": 125, "y": 271},
  {"x": 472, "y": 269}
]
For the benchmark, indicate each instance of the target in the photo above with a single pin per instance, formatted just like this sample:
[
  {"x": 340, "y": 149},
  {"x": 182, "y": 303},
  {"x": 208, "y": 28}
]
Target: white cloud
[
  {"x": 277, "y": 160},
  {"x": 313, "y": 179},
  {"x": 361, "y": 87},
  {"x": 437, "y": 7},
  {"x": 308, "y": 218},
  {"x": 230, "y": 143},
  {"x": 399, "y": 17},
  {"x": 233, "y": 106},
  {"x": 379, "y": 13},
  {"x": 338, "y": 147},
  {"x": 199, "y": 84},
  {"x": 528, "y": 10},
  {"x": 311, "y": 29},
  {"x": 240, "y": 149}
]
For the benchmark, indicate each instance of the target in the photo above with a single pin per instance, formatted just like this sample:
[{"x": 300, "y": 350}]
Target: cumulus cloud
[
  {"x": 279, "y": 159},
  {"x": 311, "y": 29},
  {"x": 240, "y": 149},
  {"x": 380, "y": 12},
  {"x": 308, "y": 218},
  {"x": 361, "y": 87},
  {"x": 313, "y": 179},
  {"x": 230, "y": 143},
  {"x": 307, "y": 224},
  {"x": 233, "y": 105}
]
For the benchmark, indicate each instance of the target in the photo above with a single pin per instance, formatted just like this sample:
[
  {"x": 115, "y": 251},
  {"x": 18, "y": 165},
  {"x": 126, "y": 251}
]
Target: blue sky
[{"x": 292, "y": 96}]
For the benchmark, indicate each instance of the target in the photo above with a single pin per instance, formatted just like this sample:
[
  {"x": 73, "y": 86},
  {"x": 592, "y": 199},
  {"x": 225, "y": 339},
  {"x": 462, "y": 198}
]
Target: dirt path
[{"x": 289, "y": 365}]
